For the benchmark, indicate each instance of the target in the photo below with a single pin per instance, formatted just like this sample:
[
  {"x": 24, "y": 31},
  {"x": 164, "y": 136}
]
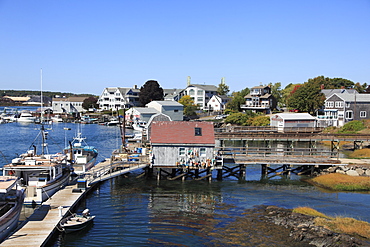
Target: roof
[
  {"x": 359, "y": 97},
  {"x": 145, "y": 110},
  {"x": 181, "y": 132},
  {"x": 205, "y": 87},
  {"x": 329, "y": 92},
  {"x": 294, "y": 116},
  {"x": 70, "y": 99},
  {"x": 260, "y": 87},
  {"x": 166, "y": 103}
]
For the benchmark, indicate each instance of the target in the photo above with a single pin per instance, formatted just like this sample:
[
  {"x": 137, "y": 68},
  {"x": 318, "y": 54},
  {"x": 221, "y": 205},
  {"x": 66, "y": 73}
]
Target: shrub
[{"x": 352, "y": 127}]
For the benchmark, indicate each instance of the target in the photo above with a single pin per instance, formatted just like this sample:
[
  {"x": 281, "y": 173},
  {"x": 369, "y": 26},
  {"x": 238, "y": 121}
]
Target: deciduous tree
[
  {"x": 150, "y": 91},
  {"x": 189, "y": 106}
]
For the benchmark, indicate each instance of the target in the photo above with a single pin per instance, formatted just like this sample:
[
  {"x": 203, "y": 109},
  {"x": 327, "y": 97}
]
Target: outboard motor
[{"x": 86, "y": 212}]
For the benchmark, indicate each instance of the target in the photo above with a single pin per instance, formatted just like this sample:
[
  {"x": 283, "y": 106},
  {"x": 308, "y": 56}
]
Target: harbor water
[{"x": 134, "y": 211}]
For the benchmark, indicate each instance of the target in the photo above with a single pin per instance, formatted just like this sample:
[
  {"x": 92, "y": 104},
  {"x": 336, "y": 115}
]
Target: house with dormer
[
  {"x": 260, "y": 99},
  {"x": 201, "y": 94},
  {"x": 119, "y": 98},
  {"x": 180, "y": 143},
  {"x": 344, "y": 107}
]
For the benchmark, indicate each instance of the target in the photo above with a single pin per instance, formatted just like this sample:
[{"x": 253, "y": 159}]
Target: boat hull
[
  {"x": 9, "y": 221},
  {"x": 75, "y": 223},
  {"x": 37, "y": 195}
]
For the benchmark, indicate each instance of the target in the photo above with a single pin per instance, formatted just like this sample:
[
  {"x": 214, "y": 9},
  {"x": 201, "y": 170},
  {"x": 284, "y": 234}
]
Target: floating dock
[{"x": 40, "y": 226}]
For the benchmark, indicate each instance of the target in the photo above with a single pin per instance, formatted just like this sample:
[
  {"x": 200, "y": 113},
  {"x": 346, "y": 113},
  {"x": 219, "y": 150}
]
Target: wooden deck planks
[{"x": 40, "y": 226}]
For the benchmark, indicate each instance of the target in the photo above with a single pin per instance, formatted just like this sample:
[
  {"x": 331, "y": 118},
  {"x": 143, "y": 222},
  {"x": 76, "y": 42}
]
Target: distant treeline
[{"x": 25, "y": 93}]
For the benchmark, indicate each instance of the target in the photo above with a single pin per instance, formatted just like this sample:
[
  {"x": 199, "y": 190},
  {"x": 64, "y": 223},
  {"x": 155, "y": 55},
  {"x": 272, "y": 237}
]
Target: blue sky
[{"x": 85, "y": 46}]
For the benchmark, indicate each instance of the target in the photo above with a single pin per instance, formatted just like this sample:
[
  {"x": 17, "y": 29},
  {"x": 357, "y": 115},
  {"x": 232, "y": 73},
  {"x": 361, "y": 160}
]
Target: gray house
[
  {"x": 173, "y": 109},
  {"x": 345, "y": 107}
]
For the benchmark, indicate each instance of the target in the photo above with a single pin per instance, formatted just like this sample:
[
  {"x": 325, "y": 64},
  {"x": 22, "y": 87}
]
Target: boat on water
[
  {"x": 11, "y": 201},
  {"x": 81, "y": 156},
  {"x": 76, "y": 222},
  {"x": 139, "y": 125},
  {"x": 41, "y": 174},
  {"x": 26, "y": 117}
]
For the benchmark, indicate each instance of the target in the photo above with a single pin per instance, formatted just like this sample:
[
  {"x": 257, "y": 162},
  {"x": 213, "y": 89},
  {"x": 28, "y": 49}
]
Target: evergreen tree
[
  {"x": 90, "y": 102},
  {"x": 150, "y": 91},
  {"x": 223, "y": 89}
]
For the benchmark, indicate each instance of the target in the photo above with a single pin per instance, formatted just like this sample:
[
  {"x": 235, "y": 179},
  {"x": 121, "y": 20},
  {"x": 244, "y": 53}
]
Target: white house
[
  {"x": 119, "y": 98},
  {"x": 68, "y": 105},
  {"x": 200, "y": 93},
  {"x": 218, "y": 102},
  {"x": 292, "y": 120},
  {"x": 173, "y": 109}
]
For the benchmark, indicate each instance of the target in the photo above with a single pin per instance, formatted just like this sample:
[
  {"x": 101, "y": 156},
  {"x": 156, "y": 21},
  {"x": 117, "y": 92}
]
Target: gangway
[{"x": 107, "y": 170}]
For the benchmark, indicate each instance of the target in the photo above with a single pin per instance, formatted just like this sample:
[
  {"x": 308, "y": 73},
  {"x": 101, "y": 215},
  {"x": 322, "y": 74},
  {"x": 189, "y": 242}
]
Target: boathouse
[
  {"x": 182, "y": 144},
  {"x": 292, "y": 120}
]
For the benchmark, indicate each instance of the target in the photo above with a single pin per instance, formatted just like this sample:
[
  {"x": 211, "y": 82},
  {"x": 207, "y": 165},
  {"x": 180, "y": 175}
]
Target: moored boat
[
  {"x": 42, "y": 174},
  {"x": 81, "y": 156},
  {"x": 11, "y": 201},
  {"x": 26, "y": 117},
  {"x": 76, "y": 222}
]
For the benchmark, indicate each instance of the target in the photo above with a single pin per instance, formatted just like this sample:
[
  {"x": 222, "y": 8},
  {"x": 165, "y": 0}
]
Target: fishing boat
[
  {"x": 42, "y": 174},
  {"x": 80, "y": 155},
  {"x": 11, "y": 201},
  {"x": 76, "y": 222}
]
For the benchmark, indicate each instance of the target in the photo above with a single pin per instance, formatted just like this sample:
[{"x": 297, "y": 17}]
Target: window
[
  {"x": 200, "y": 92},
  {"x": 181, "y": 151},
  {"x": 202, "y": 152},
  {"x": 198, "y": 131},
  {"x": 349, "y": 114},
  {"x": 348, "y": 104},
  {"x": 338, "y": 104},
  {"x": 200, "y": 99},
  {"x": 362, "y": 114},
  {"x": 176, "y": 110},
  {"x": 329, "y": 104},
  {"x": 191, "y": 92}
]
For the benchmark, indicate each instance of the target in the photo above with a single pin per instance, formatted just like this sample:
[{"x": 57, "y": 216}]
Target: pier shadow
[{"x": 40, "y": 213}]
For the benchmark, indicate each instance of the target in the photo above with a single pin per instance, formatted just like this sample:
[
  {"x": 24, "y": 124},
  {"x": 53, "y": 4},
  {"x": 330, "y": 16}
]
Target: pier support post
[{"x": 219, "y": 174}]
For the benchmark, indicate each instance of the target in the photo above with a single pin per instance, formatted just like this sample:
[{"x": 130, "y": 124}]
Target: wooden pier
[
  {"x": 39, "y": 228},
  {"x": 41, "y": 225}
]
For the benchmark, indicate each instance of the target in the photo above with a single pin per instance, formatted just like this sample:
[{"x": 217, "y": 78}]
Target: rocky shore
[{"x": 303, "y": 229}]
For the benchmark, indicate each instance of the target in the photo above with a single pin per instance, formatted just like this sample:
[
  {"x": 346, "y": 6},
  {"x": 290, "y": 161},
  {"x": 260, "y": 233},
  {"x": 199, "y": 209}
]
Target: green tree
[
  {"x": 189, "y": 107},
  {"x": 276, "y": 92},
  {"x": 237, "y": 100},
  {"x": 287, "y": 92},
  {"x": 307, "y": 98},
  {"x": 223, "y": 89},
  {"x": 240, "y": 118},
  {"x": 90, "y": 102},
  {"x": 150, "y": 91},
  {"x": 259, "y": 121}
]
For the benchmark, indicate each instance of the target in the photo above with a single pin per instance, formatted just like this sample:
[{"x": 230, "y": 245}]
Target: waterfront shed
[
  {"x": 177, "y": 143},
  {"x": 292, "y": 120}
]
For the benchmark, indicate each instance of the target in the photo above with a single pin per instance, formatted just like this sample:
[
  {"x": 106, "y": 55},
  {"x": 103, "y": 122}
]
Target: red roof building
[{"x": 181, "y": 142}]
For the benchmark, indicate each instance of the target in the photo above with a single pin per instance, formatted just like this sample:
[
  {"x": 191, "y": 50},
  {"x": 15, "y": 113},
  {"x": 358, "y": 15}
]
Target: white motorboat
[
  {"x": 11, "y": 201},
  {"x": 26, "y": 117}
]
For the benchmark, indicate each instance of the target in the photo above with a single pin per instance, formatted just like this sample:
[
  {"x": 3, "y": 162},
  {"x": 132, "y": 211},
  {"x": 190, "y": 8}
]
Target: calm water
[{"x": 138, "y": 212}]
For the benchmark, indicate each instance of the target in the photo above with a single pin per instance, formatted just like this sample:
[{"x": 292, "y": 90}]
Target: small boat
[
  {"x": 139, "y": 125},
  {"x": 81, "y": 156},
  {"x": 42, "y": 174},
  {"x": 76, "y": 222},
  {"x": 11, "y": 201},
  {"x": 26, "y": 117}
]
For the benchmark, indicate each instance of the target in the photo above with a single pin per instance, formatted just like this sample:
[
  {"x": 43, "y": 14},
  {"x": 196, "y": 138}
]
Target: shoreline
[{"x": 302, "y": 228}]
